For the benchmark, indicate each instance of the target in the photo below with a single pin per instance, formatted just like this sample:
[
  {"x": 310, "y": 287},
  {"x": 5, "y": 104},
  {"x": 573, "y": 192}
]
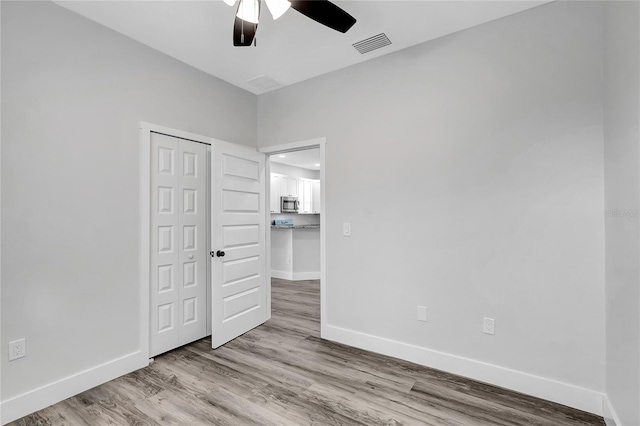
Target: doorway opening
[
  {"x": 297, "y": 216},
  {"x": 295, "y": 228}
]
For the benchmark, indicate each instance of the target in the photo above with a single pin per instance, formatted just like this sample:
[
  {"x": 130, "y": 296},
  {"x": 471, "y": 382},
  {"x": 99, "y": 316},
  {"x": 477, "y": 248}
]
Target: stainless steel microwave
[{"x": 289, "y": 204}]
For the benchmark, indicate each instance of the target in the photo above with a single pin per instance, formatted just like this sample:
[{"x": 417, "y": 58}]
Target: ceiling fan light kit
[
  {"x": 321, "y": 11},
  {"x": 277, "y": 7},
  {"x": 249, "y": 11}
]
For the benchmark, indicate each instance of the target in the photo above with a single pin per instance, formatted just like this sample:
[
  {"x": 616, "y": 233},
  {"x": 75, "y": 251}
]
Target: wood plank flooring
[{"x": 282, "y": 373}]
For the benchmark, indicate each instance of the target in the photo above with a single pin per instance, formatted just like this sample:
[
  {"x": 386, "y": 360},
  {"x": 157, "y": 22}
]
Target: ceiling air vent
[
  {"x": 264, "y": 83},
  {"x": 372, "y": 43}
]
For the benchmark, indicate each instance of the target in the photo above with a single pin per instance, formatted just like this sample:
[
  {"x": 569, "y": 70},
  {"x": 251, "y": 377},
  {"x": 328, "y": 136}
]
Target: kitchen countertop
[{"x": 296, "y": 227}]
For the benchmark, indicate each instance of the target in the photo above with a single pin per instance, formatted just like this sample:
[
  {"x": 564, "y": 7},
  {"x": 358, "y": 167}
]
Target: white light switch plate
[
  {"x": 346, "y": 229},
  {"x": 422, "y": 313}
]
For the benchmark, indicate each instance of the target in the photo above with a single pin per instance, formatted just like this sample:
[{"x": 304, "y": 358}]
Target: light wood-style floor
[{"x": 282, "y": 373}]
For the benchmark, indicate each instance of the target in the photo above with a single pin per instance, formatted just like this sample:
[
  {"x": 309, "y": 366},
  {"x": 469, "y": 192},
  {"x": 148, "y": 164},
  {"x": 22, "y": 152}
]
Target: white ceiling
[
  {"x": 307, "y": 159},
  {"x": 293, "y": 48}
]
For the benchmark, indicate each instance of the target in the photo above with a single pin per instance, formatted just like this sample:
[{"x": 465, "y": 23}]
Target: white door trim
[
  {"x": 296, "y": 146},
  {"x": 145, "y": 219}
]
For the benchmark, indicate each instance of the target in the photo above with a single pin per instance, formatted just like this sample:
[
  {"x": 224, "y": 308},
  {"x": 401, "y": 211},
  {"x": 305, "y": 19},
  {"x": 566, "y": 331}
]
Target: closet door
[
  {"x": 193, "y": 243},
  {"x": 178, "y": 243}
]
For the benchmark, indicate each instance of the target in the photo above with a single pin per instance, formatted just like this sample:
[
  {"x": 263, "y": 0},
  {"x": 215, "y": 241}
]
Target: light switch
[
  {"x": 346, "y": 229},
  {"x": 422, "y": 313}
]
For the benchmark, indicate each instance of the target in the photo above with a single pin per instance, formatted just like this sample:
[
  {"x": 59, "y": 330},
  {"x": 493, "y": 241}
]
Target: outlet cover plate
[
  {"x": 489, "y": 326},
  {"x": 17, "y": 349}
]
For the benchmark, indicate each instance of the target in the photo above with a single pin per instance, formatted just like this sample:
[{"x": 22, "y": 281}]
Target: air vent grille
[
  {"x": 372, "y": 43},
  {"x": 264, "y": 82}
]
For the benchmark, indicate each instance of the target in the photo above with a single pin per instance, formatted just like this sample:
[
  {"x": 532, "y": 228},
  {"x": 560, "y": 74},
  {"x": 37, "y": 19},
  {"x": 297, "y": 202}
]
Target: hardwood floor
[{"x": 282, "y": 373}]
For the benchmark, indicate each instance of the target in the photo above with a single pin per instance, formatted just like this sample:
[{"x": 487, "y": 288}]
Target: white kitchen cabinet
[
  {"x": 309, "y": 196},
  {"x": 274, "y": 194},
  {"x": 315, "y": 197},
  {"x": 305, "y": 189},
  {"x": 288, "y": 186}
]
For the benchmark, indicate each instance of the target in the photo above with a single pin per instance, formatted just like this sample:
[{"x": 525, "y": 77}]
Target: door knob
[
  {"x": 190, "y": 256},
  {"x": 220, "y": 253}
]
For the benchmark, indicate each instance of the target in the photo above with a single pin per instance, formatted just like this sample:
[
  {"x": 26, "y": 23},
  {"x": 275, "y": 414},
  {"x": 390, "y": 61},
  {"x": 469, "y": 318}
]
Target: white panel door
[
  {"x": 193, "y": 242},
  {"x": 164, "y": 253},
  {"x": 178, "y": 243},
  {"x": 239, "y": 287}
]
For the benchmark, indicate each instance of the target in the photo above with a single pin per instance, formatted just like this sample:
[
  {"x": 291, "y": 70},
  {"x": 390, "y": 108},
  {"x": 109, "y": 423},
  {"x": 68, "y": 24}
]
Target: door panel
[
  {"x": 194, "y": 255},
  {"x": 238, "y": 228},
  {"x": 178, "y": 236},
  {"x": 242, "y": 235},
  {"x": 164, "y": 253},
  {"x": 240, "y": 202}
]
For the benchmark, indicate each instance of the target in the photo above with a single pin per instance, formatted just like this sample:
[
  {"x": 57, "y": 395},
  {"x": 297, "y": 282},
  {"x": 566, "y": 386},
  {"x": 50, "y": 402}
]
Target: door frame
[
  {"x": 145, "y": 222},
  {"x": 299, "y": 146},
  {"x": 145, "y": 225}
]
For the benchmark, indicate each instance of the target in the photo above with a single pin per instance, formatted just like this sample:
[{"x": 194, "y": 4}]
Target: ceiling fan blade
[
  {"x": 326, "y": 13},
  {"x": 243, "y": 27}
]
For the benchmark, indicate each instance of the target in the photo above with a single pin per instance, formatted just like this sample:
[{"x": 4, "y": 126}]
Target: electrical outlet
[
  {"x": 288, "y": 261},
  {"x": 422, "y": 313},
  {"x": 489, "y": 326},
  {"x": 17, "y": 349},
  {"x": 346, "y": 229}
]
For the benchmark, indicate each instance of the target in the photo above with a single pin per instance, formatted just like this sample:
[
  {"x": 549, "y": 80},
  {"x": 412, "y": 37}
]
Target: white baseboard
[
  {"x": 44, "y": 396},
  {"x": 295, "y": 276},
  {"x": 298, "y": 276},
  {"x": 541, "y": 387},
  {"x": 609, "y": 414},
  {"x": 283, "y": 275}
]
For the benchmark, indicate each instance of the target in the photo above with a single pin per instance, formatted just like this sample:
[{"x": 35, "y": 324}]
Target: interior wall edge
[
  {"x": 551, "y": 390},
  {"x": 51, "y": 393}
]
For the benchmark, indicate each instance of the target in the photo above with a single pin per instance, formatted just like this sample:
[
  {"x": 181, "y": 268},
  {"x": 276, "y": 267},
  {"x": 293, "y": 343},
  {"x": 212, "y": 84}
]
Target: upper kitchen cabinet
[
  {"x": 288, "y": 186},
  {"x": 309, "y": 196},
  {"x": 304, "y": 195},
  {"x": 274, "y": 193},
  {"x": 316, "y": 199}
]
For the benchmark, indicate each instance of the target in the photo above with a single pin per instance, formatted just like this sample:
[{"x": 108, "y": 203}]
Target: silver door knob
[{"x": 190, "y": 256}]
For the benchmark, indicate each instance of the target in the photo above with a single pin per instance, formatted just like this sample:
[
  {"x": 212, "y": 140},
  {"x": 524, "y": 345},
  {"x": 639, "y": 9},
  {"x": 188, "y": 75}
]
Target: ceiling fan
[{"x": 321, "y": 11}]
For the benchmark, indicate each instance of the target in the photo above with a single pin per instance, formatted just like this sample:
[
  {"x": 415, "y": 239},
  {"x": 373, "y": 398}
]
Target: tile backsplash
[{"x": 298, "y": 219}]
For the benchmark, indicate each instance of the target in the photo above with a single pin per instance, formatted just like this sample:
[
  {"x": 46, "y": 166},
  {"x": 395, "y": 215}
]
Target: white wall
[
  {"x": 622, "y": 200},
  {"x": 73, "y": 94},
  {"x": 471, "y": 170}
]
